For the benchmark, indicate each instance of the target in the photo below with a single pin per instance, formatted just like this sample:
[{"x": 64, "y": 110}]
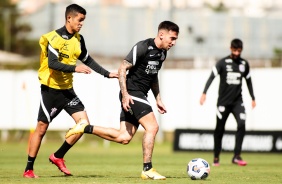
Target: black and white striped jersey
[
  {"x": 147, "y": 60},
  {"x": 231, "y": 73}
]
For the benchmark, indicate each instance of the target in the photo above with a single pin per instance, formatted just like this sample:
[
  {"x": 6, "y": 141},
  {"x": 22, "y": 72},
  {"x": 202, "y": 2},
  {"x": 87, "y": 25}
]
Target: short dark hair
[
  {"x": 168, "y": 25},
  {"x": 236, "y": 44},
  {"x": 73, "y": 9}
]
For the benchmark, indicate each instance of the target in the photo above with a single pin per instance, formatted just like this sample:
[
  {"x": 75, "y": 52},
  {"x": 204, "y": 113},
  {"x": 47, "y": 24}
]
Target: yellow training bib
[{"x": 67, "y": 52}]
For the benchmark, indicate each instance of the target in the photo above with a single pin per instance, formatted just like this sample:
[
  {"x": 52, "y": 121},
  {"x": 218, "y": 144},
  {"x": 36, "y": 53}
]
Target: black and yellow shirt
[{"x": 59, "y": 54}]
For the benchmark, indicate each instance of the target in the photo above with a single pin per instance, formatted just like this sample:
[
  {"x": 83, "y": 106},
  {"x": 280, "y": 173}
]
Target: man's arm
[
  {"x": 89, "y": 61},
  {"x": 251, "y": 91},
  {"x": 208, "y": 83},
  {"x": 126, "y": 98},
  {"x": 156, "y": 91},
  {"x": 53, "y": 63}
]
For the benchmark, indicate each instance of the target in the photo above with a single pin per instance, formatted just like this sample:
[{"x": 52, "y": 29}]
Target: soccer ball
[{"x": 198, "y": 168}]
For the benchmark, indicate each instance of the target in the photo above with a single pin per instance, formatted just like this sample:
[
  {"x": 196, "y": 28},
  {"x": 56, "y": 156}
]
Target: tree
[{"x": 12, "y": 33}]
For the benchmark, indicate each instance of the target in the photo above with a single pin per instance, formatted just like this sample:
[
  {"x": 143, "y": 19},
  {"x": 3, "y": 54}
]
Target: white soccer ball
[{"x": 198, "y": 168}]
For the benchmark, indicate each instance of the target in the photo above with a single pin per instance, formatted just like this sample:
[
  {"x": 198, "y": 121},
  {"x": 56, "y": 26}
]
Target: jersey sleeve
[
  {"x": 84, "y": 53},
  {"x": 89, "y": 61},
  {"x": 216, "y": 70},
  {"x": 137, "y": 51},
  {"x": 54, "y": 63},
  {"x": 249, "y": 81}
]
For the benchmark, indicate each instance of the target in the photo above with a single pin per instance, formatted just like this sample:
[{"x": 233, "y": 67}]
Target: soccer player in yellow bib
[{"x": 60, "y": 50}]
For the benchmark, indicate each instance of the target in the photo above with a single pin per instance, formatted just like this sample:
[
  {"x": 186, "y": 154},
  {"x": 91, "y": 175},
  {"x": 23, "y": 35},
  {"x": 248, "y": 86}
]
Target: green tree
[{"x": 12, "y": 33}]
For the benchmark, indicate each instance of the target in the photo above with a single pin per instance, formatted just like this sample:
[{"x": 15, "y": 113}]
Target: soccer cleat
[
  {"x": 78, "y": 128},
  {"x": 239, "y": 161},
  {"x": 216, "y": 162},
  {"x": 59, "y": 162},
  {"x": 152, "y": 174},
  {"x": 29, "y": 174}
]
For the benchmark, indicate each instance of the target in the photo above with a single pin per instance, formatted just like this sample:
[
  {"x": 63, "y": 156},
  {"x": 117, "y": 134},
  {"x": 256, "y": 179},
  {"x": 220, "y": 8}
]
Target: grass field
[{"x": 91, "y": 162}]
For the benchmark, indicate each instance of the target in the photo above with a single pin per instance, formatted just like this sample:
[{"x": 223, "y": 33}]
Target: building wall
[
  {"x": 204, "y": 34},
  {"x": 180, "y": 91}
]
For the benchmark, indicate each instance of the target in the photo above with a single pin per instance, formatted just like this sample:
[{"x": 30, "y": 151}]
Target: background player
[
  {"x": 60, "y": 50},
  {"x": 143, "y": 64},
  {"x": 231, "y": 69}
]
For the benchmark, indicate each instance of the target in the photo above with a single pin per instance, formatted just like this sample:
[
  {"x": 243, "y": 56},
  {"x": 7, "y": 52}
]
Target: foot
[
  {"x": 216, "y": 162},
  {"x": 239, "y": 161},
  {"x": 59, "y": 162},
  {"x": 29, "y": 174},
  {"x": 78, "y": 128},
  {"x": 152, "y": 174}
]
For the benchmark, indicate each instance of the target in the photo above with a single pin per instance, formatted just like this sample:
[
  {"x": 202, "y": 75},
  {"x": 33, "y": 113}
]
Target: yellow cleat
[
  {"x": 78, "y": 128},
  {"x": 152, "y": 174}
]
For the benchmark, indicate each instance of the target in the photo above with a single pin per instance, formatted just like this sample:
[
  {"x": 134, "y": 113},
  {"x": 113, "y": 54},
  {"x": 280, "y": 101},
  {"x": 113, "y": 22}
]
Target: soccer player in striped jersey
[{"x": 231, "y": 70}]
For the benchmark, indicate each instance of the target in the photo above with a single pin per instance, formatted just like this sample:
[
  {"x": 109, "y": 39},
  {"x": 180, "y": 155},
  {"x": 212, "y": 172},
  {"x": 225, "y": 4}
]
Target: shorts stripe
[
  {"x": 219, "y": 115},
  {"x": 140, "y": 100},
  {"x": 45, "y": 110}
]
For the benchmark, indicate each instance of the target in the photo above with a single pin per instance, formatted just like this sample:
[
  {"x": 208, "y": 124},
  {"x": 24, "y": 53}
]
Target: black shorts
[
  {"x": 53, "y": 101},
  {"x": 140, "y": 108}
]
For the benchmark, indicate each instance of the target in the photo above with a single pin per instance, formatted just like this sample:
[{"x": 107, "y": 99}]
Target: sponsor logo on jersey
[
  {"x": 228, "y": 60},
  {"x": 152, "y": 67},
  {"x": 229, "y": 68},
  {"x": 233, "y": 78},
  {"x": 242, "y": 68},
  {"x": 153, "y": 62},
  {"x": 62, "y": 55},
  {"x": 150, "y": 48}
]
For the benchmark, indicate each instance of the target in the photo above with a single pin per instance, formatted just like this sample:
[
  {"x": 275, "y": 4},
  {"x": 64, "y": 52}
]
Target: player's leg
[
  {"x": 75, "y": 108},
  {"x": 151, "y": 128},
  {"x": 240, "y": 116},
  {"x": 33, "y": 149},
  {"x": 221, "y": 117},
  {"x": 48, "y": 102},
  {"x": 122, "y": 136}
]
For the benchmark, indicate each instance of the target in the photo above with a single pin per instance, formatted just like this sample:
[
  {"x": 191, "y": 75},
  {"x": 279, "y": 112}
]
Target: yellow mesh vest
[{"x": 68, "y": 52}]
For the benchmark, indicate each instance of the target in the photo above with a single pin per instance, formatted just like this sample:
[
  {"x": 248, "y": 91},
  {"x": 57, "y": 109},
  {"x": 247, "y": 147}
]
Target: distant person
[
  {"x": 60, "y": 50},
  {"x": 231, "y": 69},
  {"x": 142, "y": 64}
]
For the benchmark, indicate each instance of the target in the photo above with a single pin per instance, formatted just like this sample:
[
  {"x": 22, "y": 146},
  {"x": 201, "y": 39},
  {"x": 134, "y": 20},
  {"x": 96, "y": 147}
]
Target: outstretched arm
[
  {"x": 156, "y": 91},
  {"x": 126, "y": 98},
  {"x": 90, "y": 62},
  {"x": 208, "y": 83}
]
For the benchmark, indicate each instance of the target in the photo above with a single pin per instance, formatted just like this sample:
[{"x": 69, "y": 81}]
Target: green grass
[{"x": 91, "y": 162}]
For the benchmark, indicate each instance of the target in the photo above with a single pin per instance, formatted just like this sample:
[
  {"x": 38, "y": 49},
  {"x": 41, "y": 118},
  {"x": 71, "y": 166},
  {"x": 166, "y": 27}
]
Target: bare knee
[
  {"x": 124, "y": 139},
  {"x": 41, "y": 129},
  {"x": 152, "y": 129}
]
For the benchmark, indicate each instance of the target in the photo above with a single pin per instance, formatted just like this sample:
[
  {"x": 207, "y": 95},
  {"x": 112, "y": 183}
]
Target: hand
[
  {"x": 203, "y": 99},
  {"x": 161, "y": 107},
  {"x": 113, "y": 75},
  {"x": 82, "y": 69},
  {"x": 254, "y": 104},
  {"x": 126, "y": 101}
]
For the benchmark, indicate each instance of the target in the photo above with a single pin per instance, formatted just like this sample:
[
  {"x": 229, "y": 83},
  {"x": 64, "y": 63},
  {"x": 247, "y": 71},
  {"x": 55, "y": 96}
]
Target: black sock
[
  {"x": 88, "y": 129},
  {"x": 147, "y": 166},
  {"x": 60, "y": 153},
  {"x": 30, "y": 163}
]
